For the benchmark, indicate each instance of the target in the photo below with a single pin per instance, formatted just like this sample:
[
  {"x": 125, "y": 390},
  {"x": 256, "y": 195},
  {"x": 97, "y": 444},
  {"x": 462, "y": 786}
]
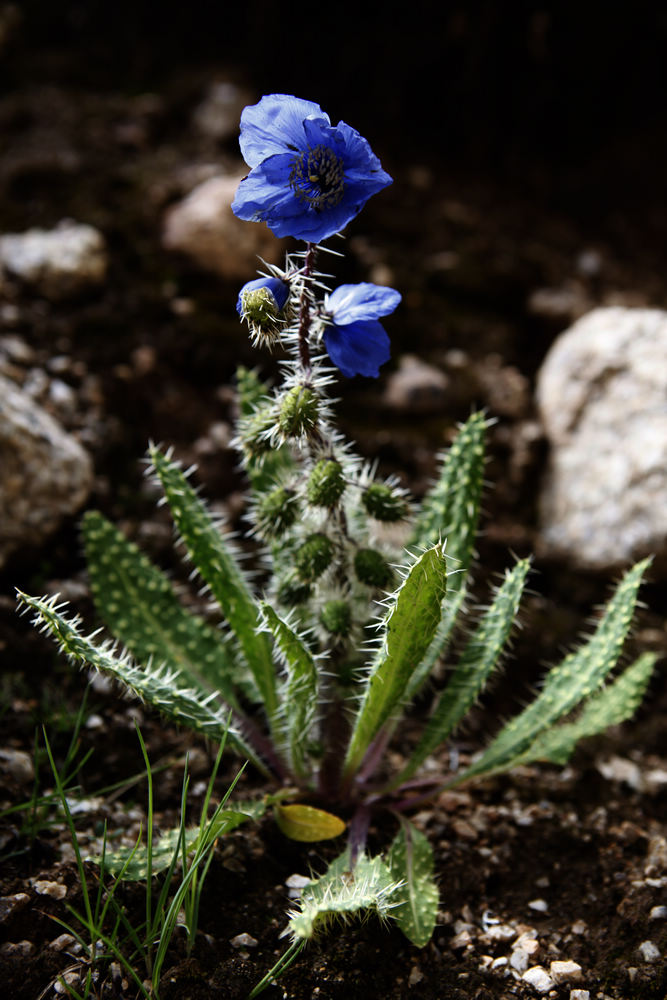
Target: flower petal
[
  {"x": 365, "y": 301},
  {"x": 358, "y": 348},
  {"x": 279, "y": 290},
  {"x": 275, "y": 125}
]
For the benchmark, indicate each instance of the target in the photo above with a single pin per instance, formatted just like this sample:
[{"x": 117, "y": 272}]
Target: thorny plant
[{"x": 319, "y": 663}]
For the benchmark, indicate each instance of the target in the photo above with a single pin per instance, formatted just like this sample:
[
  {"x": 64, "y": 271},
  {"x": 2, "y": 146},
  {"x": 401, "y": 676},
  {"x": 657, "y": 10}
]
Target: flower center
[{"x": 316, "y": 177}]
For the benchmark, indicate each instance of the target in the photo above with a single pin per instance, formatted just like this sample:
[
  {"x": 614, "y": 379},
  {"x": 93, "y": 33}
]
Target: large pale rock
[
  {"x": 203, "y": 227},
  {"x": 44, "y": 473},
  {"x": 57, "y": 262},
  {"x": 602, "y": 394}
]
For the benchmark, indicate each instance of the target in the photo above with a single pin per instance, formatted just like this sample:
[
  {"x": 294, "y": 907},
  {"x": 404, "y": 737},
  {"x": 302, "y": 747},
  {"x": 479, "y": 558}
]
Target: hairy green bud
[
  {"x": 277, "y": 511},
  {"x": 298, "y": 411},
  {"x": 292, "y": 592},
  {"x": 372, "y": 568},
  {"x": 326, "y": 484},
  {"x": 313, "y": 557},
  {"x": 254, "y": 432},
  {"x": 260, "y": 307},
  {"x": 383, "y": 503},
  {"x": 336, "y": 616}
]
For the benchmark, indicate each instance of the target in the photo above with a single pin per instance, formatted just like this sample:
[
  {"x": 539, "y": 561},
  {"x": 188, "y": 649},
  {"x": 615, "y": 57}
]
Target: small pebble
[
  {"x": 416, "y": 976},
  {"x": 499, "y": 963},
  {"x": 11, "y": 904},
  {"x": 540, "y": 905},
  {"x": 579, "y": 927},
  {"x": 648, "y": 951},
  {"x": 21, "y": 948},
  {"x": 658, "y": 913},
  {"x": 243, "y": 941},
  {"x": 519, "y": 960},
  {"x": 500, "y": 932},
  {"x": 62, "y": 942},
  {"x": 580, "y": 995},
  {"x": 538, "y": 978},
  {"x": 54, "y": 889},
  {"x": 565, "y": 971}
]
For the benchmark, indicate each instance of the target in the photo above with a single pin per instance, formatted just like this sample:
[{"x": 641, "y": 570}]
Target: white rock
[
  {"x": 203, "y": 227},
  {"x": 53, "y": 889},
  {"x": 218, "y": 116},
  {"x": 565, "y": 971},
  {"x": 601, "y": 393},
  {"x": 648, "y": 951},
  {"x": 45, "y": 474},
  {"x": 17, "y": 764},
  {"x": 538, "y": 978},
  {"x": 58, "y": 262},
  {"x": 416, "y": 387},
  {"x": 519, "y": 959},
  {"x": 243, "y": 941},
  {"x": 539, "y": 905},
  {"x": 658, "y": 913},
  {"x": 580, "y": 995}
]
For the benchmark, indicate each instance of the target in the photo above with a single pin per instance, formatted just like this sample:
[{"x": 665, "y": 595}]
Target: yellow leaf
[{"x": 308, "y": 824}]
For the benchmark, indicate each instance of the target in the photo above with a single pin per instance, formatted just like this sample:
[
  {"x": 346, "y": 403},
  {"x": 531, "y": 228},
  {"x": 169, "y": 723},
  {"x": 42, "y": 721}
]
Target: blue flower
[
  {"x": 355, "y": 341},
  {"x": 308, "y": 178}
]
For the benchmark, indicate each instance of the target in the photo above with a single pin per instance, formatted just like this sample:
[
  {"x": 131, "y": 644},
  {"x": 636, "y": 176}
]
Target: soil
[{"x": 544, "y": 865}]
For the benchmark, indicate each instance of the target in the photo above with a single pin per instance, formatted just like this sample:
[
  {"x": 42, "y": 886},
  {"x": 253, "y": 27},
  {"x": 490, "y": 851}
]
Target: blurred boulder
[
  {"x": 45, "y": 474},
  {"x": 602, "y": 395},
  {"x": 219, "y": 114},
  {"x": 415, "y": 387},
  {"x": 203, "y": 227},
  {"x": 57, "y": 263}
]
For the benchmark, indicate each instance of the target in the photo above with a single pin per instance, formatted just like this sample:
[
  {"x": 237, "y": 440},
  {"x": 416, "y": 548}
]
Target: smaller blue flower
[
  {"x": 276, "y": 294},
  {"x": 355, "y": 341}
]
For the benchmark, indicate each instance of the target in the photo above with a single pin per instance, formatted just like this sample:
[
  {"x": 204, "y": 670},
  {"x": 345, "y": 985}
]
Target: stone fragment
[
  {"x": 580, "y": 995},
  {"x": 649, "y": 951},
  {"x": 20, "y": 949},
  {"x": 601, "y": 393},
  {"x": 539, "y": 905},
  {"x": 519, "y": 960},
  {"x": 565, "y": 971},
  {"x": 538, "y": 978},
  {"x": 12, "y": 904},
  {"x": 56, "y": 890},
  {"x": 45, "y": 474},
  {"x": 416, "y": 387},
  {"x": 17, "y": 765},
  {"x": 203, "y": 227},
  {"x": 243, "y": 941},
  {"x": 57, "y": 263},
  {"x": 658, "y": 913}
]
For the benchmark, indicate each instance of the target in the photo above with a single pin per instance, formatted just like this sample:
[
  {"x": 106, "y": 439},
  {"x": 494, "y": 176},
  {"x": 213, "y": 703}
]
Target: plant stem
[{"x": 304, "y": 309}]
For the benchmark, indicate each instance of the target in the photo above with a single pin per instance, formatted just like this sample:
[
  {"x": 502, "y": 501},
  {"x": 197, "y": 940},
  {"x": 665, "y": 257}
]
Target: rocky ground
[{"x": 552, "y": 882}]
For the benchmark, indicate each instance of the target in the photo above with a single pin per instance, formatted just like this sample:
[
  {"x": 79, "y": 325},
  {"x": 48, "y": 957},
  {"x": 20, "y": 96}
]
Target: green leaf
[
  {"x": 159, "y": 686},
  {"x": 579, "y": 676},
  {"x": 612, "y": 705},
  {"x": 307, "y": 824},
  {"x": 410, "y": 861},
  {"x": 412, "y": 619},
  {"x": 450, "y": 511},
  {"x": 300, "y": 692},
  {"x": 215, "y": 561},
  {"x": 481, "y": 654},
  {"x": 344, "y": 892},
  {"x": 139, "y": 605}
]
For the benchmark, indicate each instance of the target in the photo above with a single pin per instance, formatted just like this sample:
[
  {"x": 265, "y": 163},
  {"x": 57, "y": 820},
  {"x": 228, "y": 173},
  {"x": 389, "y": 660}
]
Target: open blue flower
[
  {"x": 308, "y": 178},
  {"x": 355, "y": 341}
]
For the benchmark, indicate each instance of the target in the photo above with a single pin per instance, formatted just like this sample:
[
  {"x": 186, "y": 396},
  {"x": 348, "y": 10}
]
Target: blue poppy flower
[
  {"x": 308, "y": 178},
  {"x": 355, "y": 341}
]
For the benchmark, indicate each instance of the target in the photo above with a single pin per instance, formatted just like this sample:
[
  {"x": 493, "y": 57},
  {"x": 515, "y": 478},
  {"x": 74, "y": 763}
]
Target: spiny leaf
[
  {"x": 344, "y": 892},
  {"x": 410, "y": 861},
  {"x": 450, "y": 511},
  {"x": 300, "y": 693},
  {"x": 159, "y": 686},
  {"x": 481, "y": 654},
  {"x": 139, "y": 605},
  {"x": 307, "y": 824},
  {"x": 409, "y": 627},
  {"x": 612, "y": 705},
  {"x": 217, "y": 565},
  {"x": 578, "y": 677}
]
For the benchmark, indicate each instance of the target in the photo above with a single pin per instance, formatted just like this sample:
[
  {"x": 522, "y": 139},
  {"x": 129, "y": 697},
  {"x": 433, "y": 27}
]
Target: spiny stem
[{"x": 304, "y": 309}]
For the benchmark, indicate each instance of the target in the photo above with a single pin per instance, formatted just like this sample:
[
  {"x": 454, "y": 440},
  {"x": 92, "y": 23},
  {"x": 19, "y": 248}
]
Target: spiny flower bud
[
  {"x": 292, "y": 592},
  {"x": 298, "y": 411},
  {"x": 326, "y": 484},
  {"x": 255, "y": 430},
  {"x": 277, "y": 511},
  {"x": 336, "y": 617},
  {"x": 372, "y": 568},
  {"x": 261, "y": 303},
  {"x": 383, "y": 503},
  {"x": 313, "y": 557}
]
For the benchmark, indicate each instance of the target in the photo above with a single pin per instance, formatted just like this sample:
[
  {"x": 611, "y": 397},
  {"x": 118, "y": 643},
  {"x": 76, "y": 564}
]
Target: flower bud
[
  {"x": 261, "y": 303},
  {"x": 372, "y": 568},
  {"x": 298, "y": 411},
  {"x": 383, "y": 503},
  {"x": 277, "y": 511},
  {"x": 254, "y": 432},
  {"x": 313, "y": 557},
  {"x": 326, "y": 484},
  {"x": 336, "y": 617},
  {"x": 292, "y": 592}
]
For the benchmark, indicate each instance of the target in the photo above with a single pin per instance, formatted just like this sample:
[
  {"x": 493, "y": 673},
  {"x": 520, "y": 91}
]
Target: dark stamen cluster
[{"x": 316, "y": 177}]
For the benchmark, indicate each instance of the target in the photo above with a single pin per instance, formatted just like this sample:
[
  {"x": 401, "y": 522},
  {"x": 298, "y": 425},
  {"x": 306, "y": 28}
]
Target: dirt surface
[{"x": 538, "y": 867}]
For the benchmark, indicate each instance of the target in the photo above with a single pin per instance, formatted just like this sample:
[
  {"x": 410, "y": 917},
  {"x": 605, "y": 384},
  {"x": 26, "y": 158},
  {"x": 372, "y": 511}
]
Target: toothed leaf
[
  {"x": 342, "y": 893},
  {"x": 307, "y": 824},
  {"x": 217, "y": 565},
  {"x": 410, "y": 861},
  {"x": 409, "y": 627}
]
